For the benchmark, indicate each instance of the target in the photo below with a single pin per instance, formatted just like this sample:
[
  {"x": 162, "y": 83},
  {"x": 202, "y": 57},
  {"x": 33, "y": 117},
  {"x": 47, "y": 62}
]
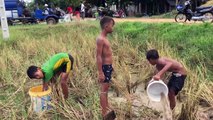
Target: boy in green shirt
[{"x": 59, "y": 64}]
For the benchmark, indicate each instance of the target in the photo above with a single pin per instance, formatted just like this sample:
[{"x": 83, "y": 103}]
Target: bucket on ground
[
  {"x": 40, "y": 99},
  {"x": 155, "y": 88}
]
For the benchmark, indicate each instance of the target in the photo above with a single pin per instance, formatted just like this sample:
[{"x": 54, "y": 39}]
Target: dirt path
[
  {"x": 153, "y": 20},
  {"x": 148, "y": 20}
]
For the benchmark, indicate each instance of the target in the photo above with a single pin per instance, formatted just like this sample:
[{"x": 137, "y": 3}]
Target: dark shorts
[
  {"x": 107, "y": 69},
  {"x": 64, "y": 67},
  {"x": 176, "y": 82}
]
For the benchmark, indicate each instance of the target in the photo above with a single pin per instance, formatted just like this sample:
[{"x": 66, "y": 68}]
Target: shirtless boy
[
  {"x": 164, "y": 65},
  {"x": 104, "y": 62}
]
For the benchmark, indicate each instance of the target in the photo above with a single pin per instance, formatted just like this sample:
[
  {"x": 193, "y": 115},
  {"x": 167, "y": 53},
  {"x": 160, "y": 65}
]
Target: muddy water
[
  {"x": 141, "y": 99},
  {"x": 167, "y": 113}
]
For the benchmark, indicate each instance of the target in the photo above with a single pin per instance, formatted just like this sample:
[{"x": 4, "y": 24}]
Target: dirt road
[{"x": 148, "y": 20}]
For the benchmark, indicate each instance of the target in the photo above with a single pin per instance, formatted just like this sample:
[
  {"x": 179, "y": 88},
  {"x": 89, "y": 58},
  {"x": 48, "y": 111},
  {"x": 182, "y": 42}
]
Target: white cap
[{"x": 45, "y": 5}]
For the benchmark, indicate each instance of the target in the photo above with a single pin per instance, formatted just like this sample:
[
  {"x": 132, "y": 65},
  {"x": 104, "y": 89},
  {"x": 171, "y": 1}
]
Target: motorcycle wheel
[
  {"x": 123, "y": 15},
  {"x": 208, "y": 17},
  {"x": 180, "y": 18}
]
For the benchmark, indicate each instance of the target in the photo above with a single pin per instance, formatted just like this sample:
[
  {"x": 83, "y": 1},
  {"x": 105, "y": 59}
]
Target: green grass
[{"x": 191, "y": 44}]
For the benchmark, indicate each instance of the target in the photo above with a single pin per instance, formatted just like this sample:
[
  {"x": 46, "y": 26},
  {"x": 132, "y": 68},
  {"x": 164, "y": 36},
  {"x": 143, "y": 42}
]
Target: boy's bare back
[
  {"x": 175, "y": 67},
  {"x": 104, "y": 45}
]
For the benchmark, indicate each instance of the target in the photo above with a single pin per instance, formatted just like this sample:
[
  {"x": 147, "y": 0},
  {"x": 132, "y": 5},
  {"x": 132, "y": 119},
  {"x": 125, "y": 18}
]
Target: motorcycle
[
  {"x": 119, "y": 14},
  {"x": 107, "y": 12},
  {"x": 204, "y": 14}
]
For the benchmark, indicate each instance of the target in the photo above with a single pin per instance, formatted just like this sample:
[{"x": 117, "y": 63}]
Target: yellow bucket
[{"x": 40, "y": 99}]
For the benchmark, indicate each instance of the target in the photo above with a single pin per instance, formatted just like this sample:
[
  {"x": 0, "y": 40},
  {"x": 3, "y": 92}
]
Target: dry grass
[{"x": 131, "y": 70}]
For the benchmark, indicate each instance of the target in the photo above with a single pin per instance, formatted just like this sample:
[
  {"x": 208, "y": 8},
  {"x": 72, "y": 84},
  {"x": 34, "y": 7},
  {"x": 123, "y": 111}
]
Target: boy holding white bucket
[
  {"x": 59, "y": 64},
  {"x": 164, "y": 65}
]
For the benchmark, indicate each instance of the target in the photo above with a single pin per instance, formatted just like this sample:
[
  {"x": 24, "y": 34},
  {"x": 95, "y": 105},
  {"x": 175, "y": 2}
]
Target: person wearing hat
[{"x": 46, "y": 9}]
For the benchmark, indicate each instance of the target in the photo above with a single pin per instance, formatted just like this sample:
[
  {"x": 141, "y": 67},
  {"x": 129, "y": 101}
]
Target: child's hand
[
  {"x": 101, "y": 78},
  {"x": 156, "y": 77},
  {"x": 45, "y": 86}
]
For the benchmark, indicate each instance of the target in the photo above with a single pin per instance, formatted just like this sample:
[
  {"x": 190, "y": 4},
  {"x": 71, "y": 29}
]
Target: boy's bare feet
[{"x": 110, "y": 115}]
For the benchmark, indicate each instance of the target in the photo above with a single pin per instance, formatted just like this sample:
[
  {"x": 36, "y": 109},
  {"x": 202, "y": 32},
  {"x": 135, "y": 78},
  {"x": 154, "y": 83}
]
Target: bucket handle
[{"x": 152, "y": 80}]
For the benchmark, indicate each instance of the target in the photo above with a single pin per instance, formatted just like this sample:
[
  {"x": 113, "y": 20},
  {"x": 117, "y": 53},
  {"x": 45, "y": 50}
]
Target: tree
[{"x": 61, "y": 3}]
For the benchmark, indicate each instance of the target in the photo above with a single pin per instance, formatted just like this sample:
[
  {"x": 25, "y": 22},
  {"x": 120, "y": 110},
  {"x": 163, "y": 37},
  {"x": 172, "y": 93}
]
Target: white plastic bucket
[
  {"x": 40, "y": 99},
  {"x": 155, "y": 88}
]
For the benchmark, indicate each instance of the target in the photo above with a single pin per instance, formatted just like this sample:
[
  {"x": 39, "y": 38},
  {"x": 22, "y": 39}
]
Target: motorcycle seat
[{"x": 201, "y": 8}]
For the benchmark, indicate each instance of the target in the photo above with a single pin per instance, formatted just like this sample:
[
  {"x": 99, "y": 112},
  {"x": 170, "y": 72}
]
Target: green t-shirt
[{"x": 54, "y": 64}]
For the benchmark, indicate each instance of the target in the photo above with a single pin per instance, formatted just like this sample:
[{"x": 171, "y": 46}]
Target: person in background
[
  {"x": 70, "y": 11},
  {"x": 46, "y": 9},
  {"x": 82, "y": 10},
  {"x": 77, "y": 13},
  {"x": 26, "y": 12}
]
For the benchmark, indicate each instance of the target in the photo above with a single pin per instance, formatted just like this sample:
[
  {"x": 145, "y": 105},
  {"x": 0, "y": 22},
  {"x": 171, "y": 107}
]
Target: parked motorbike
[
  {"x": 204, "y": 14},
  {"x": 119, "y": 14},
  {"x": 107, "y": 12}
]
